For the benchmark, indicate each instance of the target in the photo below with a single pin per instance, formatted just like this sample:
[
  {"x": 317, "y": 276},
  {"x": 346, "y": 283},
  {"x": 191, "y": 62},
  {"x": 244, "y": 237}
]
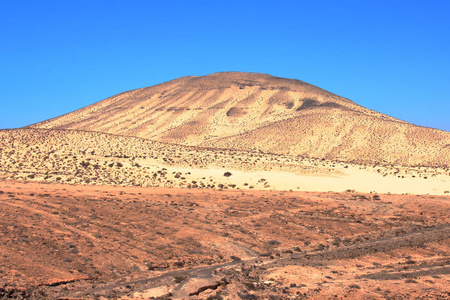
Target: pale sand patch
[
  {"x": 153, "y": 292},
  {"x": 360, "y": 180}
]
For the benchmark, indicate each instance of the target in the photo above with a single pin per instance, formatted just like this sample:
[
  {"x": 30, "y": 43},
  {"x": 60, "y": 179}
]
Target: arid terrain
[
  {"x": 79, "y": 157},
  {"x": 226, "y": 186},
  {"x": 74, "y": 241}
]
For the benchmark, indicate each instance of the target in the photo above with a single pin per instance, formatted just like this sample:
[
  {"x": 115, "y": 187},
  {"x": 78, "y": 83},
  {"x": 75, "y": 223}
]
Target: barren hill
[{"x": 259, "y": 112}]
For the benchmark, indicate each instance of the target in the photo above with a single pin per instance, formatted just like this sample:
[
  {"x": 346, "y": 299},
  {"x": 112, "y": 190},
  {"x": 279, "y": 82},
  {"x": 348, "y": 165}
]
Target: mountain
[{"x": 259, "y": 112}]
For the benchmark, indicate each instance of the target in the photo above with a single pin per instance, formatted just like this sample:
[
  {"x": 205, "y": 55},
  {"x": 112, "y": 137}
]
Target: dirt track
[{"x": 215, "y": 272}]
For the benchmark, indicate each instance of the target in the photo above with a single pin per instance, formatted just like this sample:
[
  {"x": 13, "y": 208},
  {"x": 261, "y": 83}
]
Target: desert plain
[{"x": 227, "y": 186}]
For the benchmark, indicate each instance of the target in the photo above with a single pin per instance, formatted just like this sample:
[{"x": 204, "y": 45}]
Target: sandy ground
[
  {"x": 352, "y": 178},
  {"x": 87, "y": 241},
  {"x": 102, "y": 159}
]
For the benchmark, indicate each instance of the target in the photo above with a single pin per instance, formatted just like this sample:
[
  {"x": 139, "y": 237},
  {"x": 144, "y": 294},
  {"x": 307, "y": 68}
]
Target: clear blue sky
[{"x": 390, "y": 56}]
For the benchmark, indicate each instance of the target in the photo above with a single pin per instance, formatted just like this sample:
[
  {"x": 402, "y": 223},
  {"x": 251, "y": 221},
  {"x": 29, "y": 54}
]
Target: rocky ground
[{"x": 86, "y": 241}]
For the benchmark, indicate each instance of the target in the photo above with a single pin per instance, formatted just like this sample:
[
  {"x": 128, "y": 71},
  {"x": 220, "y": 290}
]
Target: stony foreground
[{"x": 75, "y": 241}]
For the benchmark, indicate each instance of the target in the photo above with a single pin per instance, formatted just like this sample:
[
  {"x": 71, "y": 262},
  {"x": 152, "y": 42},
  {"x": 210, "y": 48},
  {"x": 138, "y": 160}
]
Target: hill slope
[
  {"x": 346, "y": 136},
  {"x": 250, "y": 111}
]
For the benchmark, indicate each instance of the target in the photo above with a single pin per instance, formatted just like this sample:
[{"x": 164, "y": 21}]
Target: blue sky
[{"x": 390, "y": 56}]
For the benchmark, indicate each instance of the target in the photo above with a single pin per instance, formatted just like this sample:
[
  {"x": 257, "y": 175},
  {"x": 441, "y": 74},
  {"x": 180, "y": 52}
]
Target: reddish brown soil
[{"x": 72, "y": 241}]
